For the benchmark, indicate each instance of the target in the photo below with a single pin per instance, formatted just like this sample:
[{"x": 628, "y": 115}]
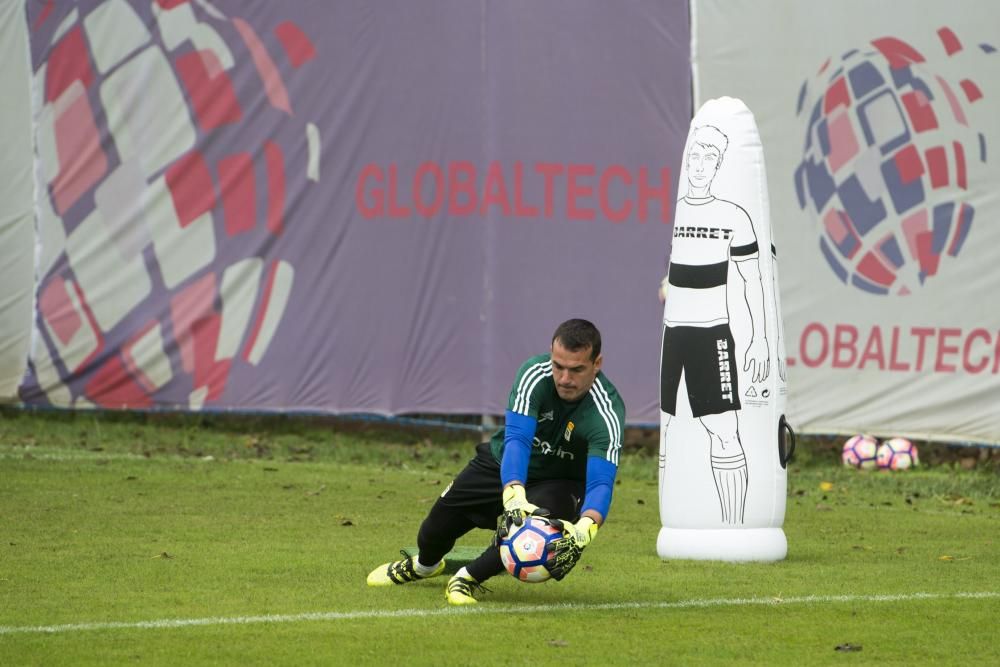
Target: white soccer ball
[
  {"x": 524, "y": 551},
  {"x": 897, "y": 454},
  {"x": 859, "y": 452}
]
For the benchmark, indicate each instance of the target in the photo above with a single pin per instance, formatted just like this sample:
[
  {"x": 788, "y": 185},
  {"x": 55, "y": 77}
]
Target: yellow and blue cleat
[
  {"x": 400, "y": 572},
  {"x": 461, "y": 590}
]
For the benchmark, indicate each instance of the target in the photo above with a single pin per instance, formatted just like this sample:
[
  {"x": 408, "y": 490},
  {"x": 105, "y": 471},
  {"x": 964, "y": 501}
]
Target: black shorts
[
  {"x": 707, "y": 357},
  {"x": 476, "y": 492}
]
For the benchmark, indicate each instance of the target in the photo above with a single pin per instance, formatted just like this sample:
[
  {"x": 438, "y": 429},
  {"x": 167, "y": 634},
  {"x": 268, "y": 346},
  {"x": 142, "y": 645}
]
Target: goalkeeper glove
[
  {"x": 515, "y": 508},
  {"x": 569, "y": 548}
]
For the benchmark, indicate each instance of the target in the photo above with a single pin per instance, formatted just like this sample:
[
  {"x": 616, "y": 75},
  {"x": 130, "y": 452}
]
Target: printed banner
[
  {"x": 880, "y": 125},
  {"x": 347, "y": 207},
  {"x": 17, "y": 220}
]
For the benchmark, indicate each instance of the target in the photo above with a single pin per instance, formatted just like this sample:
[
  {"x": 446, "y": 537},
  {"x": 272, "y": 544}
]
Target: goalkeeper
[{"x": 556, "y": 456}]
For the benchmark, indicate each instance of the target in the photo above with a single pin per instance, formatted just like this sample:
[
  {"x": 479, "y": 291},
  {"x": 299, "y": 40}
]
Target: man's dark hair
[{"x": 578, "y": 334}]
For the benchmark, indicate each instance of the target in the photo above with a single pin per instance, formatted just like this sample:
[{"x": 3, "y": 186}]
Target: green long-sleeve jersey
[{"x": 566, "y": 433}]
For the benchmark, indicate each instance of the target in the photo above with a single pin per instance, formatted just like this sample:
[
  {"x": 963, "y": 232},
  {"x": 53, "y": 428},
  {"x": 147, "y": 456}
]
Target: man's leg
[
  {"x": 472, "y": 499},
  {"x": 439, "y": 531},
  {"x": 561, "y": 497},
  {"x": 483, "y": 503},
  {"x": 729, "y": 465},
  {"x": 486, "y": 565},
  {"x": 662, "y": 462}
]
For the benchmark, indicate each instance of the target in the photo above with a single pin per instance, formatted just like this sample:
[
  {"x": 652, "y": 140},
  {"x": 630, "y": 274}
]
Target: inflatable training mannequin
[{"x": 724, "y": 443}]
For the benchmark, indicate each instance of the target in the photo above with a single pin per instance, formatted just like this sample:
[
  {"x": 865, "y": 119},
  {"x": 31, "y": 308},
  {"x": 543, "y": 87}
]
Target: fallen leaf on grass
[
  {"x": 946, "y": 557},
  {"x": 820, "y": 507},
  {"x": 346, "y": 522},
  {"x": 847, "y": 647},
  {"x": 826, "y": 486},
  {"x": 318, "y": 491},
  {"x": 162, "y": 554}
]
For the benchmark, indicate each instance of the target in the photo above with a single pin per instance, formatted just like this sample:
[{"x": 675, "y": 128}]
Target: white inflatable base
[{"x": 732, "y": 544}]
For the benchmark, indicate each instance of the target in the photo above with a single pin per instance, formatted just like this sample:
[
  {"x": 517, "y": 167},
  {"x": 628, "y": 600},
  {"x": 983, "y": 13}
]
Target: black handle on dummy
[{"x": 785, "y": 434}]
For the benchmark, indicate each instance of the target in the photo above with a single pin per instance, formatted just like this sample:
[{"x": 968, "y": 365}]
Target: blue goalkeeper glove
[{"x": 569, "y": 548}]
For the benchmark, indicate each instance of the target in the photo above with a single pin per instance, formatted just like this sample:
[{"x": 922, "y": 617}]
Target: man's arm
[
  {"x": 757, "y": 359},
  {"x": 602, "y": 469},
  {"x": 577, "y": 536},
  {"x": 600, "y": 487},
  {"x": 777, "y": 313},
  {"x": 519, "y": 434}
]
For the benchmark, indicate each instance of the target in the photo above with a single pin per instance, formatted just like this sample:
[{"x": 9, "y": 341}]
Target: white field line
[
  {"x": 69, "y": 455},
  {"x": 487, "y": 609}
]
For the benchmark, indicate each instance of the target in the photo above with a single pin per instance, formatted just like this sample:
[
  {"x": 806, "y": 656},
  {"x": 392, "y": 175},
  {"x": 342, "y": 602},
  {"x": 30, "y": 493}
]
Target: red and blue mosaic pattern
[
  {"x": 886, "y": 162},
  {"x": 167, "y": 142}
]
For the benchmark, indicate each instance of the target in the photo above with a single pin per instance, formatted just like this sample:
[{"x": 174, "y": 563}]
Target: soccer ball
[
  {"x": 897, "y": 454},
  {"x": 523, "y": 551},
  {"x": 859, "y": 452}
]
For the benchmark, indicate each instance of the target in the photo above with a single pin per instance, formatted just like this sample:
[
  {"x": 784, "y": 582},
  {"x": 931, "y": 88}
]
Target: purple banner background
[{"x": 570, "y": 115}]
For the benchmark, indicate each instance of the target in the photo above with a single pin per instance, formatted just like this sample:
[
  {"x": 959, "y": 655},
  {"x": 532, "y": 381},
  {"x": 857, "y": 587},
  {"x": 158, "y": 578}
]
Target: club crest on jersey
[{"x": 569, "y": 431}]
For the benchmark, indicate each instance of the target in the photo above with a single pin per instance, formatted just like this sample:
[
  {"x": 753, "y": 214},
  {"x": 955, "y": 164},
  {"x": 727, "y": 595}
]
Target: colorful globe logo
[
  {"x": 167, "y": 146},
  {"x": 888, "y": 157}
]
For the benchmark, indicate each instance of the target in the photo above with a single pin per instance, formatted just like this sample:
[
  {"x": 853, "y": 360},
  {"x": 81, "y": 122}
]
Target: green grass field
[{"x": 200, "y": 540}]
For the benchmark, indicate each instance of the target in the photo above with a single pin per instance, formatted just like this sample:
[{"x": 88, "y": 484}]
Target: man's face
[
  {"x": 702, "y": 163},
  {"x": 573, "y": 372}
]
